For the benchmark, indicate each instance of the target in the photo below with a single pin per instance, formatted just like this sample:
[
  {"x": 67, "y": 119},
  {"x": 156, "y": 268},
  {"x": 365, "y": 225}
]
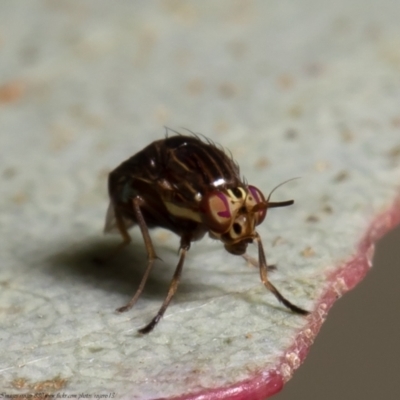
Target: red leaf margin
[{"x": 268, "y": 383}]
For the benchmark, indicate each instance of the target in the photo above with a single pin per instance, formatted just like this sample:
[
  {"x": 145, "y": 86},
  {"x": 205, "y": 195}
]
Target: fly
[{"x": 190, "y": 187}]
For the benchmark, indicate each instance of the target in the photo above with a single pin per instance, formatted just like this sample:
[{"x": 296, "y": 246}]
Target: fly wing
[{"x": 110, "y": 225}]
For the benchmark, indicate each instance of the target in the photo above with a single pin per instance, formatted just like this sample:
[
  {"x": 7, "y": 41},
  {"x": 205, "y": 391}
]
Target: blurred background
[{"x": 356, "y": 354}]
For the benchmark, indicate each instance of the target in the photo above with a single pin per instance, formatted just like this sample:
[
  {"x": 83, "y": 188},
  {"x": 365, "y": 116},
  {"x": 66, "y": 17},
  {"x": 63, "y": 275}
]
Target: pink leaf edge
[{"x": 268, "y": 383}]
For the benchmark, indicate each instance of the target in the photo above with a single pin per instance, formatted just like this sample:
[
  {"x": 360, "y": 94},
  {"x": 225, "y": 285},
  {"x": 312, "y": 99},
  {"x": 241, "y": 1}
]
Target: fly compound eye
[
  {"x": 254, "y": 197},
  {"x": 217, "y": 211}
]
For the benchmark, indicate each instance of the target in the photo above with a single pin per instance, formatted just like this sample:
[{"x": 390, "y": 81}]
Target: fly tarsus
[{"x": 173, "y": 286}]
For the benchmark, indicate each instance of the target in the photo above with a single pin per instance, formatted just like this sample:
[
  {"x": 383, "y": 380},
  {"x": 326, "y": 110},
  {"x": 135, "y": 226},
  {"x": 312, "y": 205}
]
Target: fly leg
[
  {"x": 151, "y": 254},
  {"x": 173, "y": 286},
  {"x": 252, "y": 261},
  {"x": 269, "y": 285}
]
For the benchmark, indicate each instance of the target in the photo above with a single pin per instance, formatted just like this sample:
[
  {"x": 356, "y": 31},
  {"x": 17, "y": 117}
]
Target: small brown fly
[{"x": 190, "y": 187}]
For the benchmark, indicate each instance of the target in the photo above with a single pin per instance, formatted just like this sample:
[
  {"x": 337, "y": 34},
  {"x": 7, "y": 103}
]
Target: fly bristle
[{"x": 167, "y": 129}]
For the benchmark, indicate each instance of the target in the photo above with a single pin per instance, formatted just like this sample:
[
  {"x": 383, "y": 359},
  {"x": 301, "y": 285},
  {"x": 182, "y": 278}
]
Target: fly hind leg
[
  {"x": 185, "y": 244},
  {"x": 151, "y": 254}
]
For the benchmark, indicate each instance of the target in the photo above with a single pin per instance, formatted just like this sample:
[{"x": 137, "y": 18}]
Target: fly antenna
[
  {"x": 281, "y": 184},
  {"x": 271, "y": 204}
]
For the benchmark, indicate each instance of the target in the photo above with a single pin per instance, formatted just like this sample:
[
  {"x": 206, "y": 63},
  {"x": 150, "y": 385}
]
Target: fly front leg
[
  {"x": 269, "y": 285},
  {"x": 173, "y": 286},
  {"x": 151, "y": 254}
]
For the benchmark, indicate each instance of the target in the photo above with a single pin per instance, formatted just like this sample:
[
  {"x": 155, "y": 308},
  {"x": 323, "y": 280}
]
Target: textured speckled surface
[{"x": 291, "y": 90}]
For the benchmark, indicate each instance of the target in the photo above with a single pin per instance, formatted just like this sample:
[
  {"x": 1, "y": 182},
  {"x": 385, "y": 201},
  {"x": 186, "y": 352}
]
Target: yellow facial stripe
[
  {"x": 235, "y": 198},
  {"x": 182, "y": 212}
]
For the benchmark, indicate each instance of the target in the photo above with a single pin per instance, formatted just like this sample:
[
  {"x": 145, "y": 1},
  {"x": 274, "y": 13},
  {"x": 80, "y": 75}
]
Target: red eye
[
  {"x": 217, "y": 213},
  {"x": 258, "y": 197}
]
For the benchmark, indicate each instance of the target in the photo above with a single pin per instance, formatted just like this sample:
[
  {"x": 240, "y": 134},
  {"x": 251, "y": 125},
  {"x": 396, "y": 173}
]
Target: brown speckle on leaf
[
  {"x": 90, "y": 119},
  {"x": 9, "y": 173},
  {"x": 312, "y": 218},
  {"x": 56, "y": 383},
  {"x": 341, "y": 176},
  {"x": 19, "y": 383},
  {"x": 163, "y": 236},
  {"x": 102, "y": 174},
  {"x": 295, "y": 111},
  {"x": 327, "y": 209},
  {"x": 19, "y": 198},
  {"x": 321, "y": 165},
  {"x": 161, "y": 114},
  {"x": 308, "y": 252},
  {"x": 277, "y": 241},
  {"x": 184, "y": 12},
  {"x": 346, "y": 135},
  {"x": 285, "y": 81},
  {"x": 10, "y": 310},
  {"x": 227, "y": 90},
  {"x": 291, "y": 134},
  {"x": 12, "y": 91},
  {"x": 5, "y": 284},
  {"x": 262, "y": 162},
  {"x": 396, "y": 122},
  {"x": 61, "y": 137},
  {"x": 50, "y": 385},
  {"x": 241, "y": 12},
  {"x": 237, "y": 49},
  {"x": 315, "y": 69},
  {"x": 394, "y": 152},
  {"x": 195, "y": 86},
  {"x": 146, "y": 41},
  {"x": 221, "y": 126}
]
